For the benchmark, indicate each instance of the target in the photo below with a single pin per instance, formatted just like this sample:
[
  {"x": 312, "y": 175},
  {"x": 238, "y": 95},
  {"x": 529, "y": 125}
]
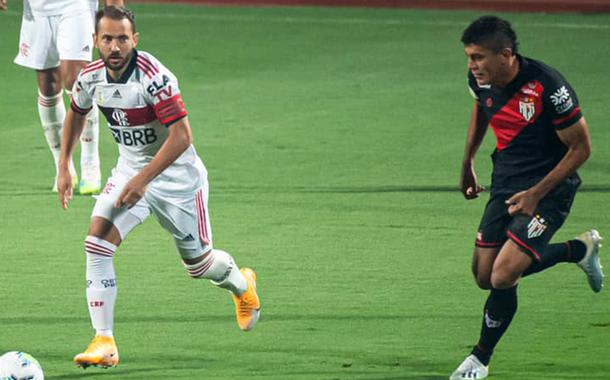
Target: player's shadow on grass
[{"x": 603, "y": 188}]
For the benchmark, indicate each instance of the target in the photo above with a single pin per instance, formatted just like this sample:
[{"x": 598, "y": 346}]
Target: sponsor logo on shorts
[
  {"x": 24, "y": 49},
  {"x": 108, "y": 188},
  {"x": 188, "y": 237},
  {"x": 536, "y": 227}
]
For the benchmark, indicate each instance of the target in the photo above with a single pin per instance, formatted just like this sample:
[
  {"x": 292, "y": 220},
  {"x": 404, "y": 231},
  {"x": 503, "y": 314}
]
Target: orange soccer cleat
[
  {"x": 247, "y": 306},
  {"x": 101, "y": 352}
]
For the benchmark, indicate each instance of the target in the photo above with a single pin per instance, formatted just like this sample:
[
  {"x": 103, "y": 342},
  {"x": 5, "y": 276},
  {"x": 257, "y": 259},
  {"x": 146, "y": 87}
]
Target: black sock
[
  {"x": 571, "y": 251},
  {"x": 499, "y": 310}
]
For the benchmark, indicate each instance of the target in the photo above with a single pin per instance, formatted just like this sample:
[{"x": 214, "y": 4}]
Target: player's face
[
  {"x": 486, "y": 66},
  {"x": 115, "y": 41}
]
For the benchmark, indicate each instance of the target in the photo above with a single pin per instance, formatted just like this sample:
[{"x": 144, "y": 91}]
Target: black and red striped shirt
[{"x": 525, "y": 117}]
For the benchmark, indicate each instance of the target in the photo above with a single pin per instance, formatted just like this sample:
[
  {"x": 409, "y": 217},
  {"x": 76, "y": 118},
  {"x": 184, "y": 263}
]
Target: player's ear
[
  {"x": 95, "y": 40},
  {"x": 136, "y": 37},
  {"x": 507, "y": 52}
]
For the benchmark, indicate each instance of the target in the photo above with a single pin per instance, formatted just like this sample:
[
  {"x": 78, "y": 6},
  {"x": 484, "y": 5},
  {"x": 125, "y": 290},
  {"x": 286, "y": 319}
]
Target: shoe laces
[{"x": 244, "y": 305}]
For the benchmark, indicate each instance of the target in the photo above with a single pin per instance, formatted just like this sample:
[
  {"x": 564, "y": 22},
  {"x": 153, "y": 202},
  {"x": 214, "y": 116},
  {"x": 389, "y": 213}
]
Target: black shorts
[{"x": 531, "y": 234}]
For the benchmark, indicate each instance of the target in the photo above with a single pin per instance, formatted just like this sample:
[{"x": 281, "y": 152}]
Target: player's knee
[
  {"x": 483, "y": 281},
  {"x": 212, "y": 265},
  {"x": 501, "y": 279}
]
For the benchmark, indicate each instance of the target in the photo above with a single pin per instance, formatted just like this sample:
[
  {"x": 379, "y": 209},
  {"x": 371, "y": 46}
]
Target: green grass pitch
[{"x": 333, "y": 138}]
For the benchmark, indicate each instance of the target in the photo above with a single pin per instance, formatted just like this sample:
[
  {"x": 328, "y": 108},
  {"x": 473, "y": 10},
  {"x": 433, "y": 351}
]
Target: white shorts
[
  {"x": 44, "y": 41},
  {"x": 185, "y": 217}
]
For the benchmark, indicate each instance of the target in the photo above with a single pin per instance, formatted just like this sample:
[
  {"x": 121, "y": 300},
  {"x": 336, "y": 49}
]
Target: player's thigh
[
  {"x": 491, "y": 236},
  {"x": 482, "y": 264},
  {"x": 123, "y": 219},
  {"x": 69, "y": 72},
  {"x": 186, "y": 218},
  {"x": 37, "y": 47},
  {"x": 533, "y": 233},
  {"x": 509, "y": 266}
]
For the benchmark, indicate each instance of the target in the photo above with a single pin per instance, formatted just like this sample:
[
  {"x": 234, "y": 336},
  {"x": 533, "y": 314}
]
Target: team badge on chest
[{"x": 527, "y": 108}]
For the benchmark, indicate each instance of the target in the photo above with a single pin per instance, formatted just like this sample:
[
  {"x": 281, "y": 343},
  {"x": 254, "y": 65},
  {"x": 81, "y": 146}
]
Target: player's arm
[
  {"x": 3, "y": 5},
  {"x": 476, "y": 132},
  {"x": 73, "y": 127},
  {"x": 576, "y": 138},
  {"x": 178, "y": 140}
]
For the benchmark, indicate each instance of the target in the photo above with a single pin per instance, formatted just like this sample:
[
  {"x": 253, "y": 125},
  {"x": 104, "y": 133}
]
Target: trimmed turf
[{"x": 333, "y": 138}]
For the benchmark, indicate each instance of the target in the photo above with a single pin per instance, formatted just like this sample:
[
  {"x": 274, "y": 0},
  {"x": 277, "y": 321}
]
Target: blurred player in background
[
  {"x": 542, "y": 138},
  {"x": 57, "y": 41},
  {"x": 158, "y": 172}
]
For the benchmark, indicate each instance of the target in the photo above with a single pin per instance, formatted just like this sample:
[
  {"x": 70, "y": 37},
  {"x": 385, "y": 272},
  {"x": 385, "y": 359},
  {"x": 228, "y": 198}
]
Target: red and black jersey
[{"x": 525, "y": 116}]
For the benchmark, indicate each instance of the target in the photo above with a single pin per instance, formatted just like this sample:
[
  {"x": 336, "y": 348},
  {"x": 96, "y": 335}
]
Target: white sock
[
  {"x": 101, "y": 284},
  {"x": 220, "y": 268},
  {"x": 89, "y": 143},
  {"x": 52, "y": 113}
]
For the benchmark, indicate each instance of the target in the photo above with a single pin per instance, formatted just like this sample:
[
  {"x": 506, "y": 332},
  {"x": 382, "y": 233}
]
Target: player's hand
[
  {"x": 468, "y": 183},
  {"x": 64, "y": 187},
  {"x": 524, "y": 202},
  {"x": 132, "y": 193},
  {"x": 3, "y": 5}
]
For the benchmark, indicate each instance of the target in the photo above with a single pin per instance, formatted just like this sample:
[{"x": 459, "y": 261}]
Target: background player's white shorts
[
  {"x": 185, "y": 217},
  {"x": 44, "y": 41}
]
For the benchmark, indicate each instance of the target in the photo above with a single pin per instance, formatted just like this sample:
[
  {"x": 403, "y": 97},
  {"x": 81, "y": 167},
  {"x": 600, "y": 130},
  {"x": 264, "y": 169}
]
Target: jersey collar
[{"x": 130, "y": 68}]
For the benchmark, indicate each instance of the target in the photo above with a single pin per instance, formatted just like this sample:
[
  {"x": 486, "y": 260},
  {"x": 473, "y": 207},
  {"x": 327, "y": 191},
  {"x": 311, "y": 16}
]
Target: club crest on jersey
[
  {"x": 527, "y": 108},
  {"x": 120, "y": 117},
  {"x": 536, "y": 227}
]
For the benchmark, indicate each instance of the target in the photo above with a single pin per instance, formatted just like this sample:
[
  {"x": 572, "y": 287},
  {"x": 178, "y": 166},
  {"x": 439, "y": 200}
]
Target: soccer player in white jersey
[
  {"x": 56, "y": 41},
  {"x": 158, "y": 172}
]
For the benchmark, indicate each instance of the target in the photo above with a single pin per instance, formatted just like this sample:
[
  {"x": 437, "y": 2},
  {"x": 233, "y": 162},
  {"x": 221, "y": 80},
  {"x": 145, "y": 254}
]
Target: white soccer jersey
[
  {"x": 58, "y": 7},
  {"x": 139, "y": 107}
]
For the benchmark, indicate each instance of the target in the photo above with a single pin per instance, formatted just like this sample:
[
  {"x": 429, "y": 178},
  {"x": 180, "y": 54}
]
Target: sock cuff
[
  {"x": 97, "y": 246},
  {"x": 50, "y": 101}
]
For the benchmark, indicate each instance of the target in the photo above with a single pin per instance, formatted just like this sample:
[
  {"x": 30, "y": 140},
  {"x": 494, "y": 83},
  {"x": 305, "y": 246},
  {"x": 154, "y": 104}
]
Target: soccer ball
[{"x": 17, "y": 365}]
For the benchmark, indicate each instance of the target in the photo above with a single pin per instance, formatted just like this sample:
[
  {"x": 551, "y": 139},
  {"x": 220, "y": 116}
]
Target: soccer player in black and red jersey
[{"x": 542, "y": 138}]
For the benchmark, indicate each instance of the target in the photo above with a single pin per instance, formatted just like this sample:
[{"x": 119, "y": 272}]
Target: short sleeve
[
  {"x": 561, "y": 103},
  {"x": 163, "y": 93},
  {"x": 80, "y": 100}
]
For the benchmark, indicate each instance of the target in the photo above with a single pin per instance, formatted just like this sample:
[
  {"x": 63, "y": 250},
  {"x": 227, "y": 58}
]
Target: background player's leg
[
  {"x": 89, "y": 159},
  {"x": 52, "y": 111}
]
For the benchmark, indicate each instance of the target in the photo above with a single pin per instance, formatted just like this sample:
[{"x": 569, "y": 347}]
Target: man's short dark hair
[
  {"x": 491, "y": 32},
  {"x": 115, "y": 13}
]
